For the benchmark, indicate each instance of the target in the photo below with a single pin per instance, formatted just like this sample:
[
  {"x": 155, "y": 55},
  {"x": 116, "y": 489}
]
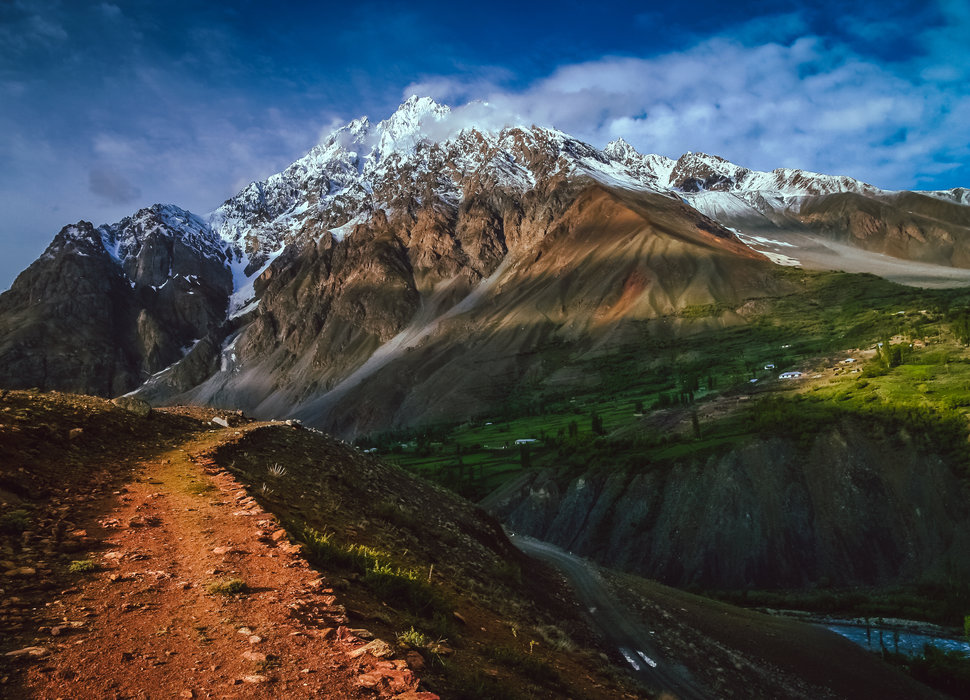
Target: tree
[
  {"x": 696, "y": 423},
  {"x": 597, "y": 424},
  {"x": 524, "y": 457}
]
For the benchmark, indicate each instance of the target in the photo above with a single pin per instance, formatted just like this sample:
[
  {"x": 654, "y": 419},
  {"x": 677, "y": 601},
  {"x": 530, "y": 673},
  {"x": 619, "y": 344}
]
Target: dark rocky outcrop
[{"x": 105, "y": 308}]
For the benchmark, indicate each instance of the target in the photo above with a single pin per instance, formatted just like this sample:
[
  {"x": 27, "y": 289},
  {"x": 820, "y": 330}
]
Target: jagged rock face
[
  {"x": 697, "y": 172},
  {"x": 102, "y": 309},
  {"x": 59, "y": 322},
  {"x": 854, "y": 510}
]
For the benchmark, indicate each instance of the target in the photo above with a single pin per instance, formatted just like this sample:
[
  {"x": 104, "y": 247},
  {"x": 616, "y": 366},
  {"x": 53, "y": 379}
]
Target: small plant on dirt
[
  {"x": 83, "y": 566},
  {"x": 277, "y": 470},
  {"x": 396, "y": 514},
  {"x": 398, "y": 586},
  {"x": 227, "y": 587},
  {"x": 413, "y": 639},
  {"x": 265, "y": 490},
  {"x": 530, "y": 664},
  {"x": 555, "y": 638}
]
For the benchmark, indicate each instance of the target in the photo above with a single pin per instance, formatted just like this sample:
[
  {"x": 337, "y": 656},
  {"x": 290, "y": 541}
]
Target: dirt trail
[{"x": 150, "y": 622}]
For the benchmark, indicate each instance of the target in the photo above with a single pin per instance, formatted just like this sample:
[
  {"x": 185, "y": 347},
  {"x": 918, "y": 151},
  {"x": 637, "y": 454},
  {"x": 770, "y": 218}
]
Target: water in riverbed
[{"x": 903, "y": 642}]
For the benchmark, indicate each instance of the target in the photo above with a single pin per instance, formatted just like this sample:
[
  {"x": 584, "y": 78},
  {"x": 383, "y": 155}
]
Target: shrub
[{"x": 14, "y": 522}]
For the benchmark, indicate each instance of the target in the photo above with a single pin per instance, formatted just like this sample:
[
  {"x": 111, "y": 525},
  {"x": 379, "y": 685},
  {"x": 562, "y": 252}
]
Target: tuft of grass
[
  {"x": 227, "y": 587},
  {"x": 277, "y": 470},
  {"x": 83, "y": 566},
  {"x": 555, "y": 638},
  {"x": 529, "y": 664},
  {"x": 403, "y": 587},
  {"x": 395, "y": 514}
]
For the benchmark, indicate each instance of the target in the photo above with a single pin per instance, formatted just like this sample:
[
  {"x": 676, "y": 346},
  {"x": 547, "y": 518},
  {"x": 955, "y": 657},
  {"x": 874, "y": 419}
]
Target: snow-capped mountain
[
  {"x": 361, "y": 168},
  {"x": 389, "y": 245},
  {"x": 415, "y": 153}
]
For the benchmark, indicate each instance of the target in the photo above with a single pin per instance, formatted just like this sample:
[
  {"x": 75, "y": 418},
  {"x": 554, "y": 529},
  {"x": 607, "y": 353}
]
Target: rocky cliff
[{"x": 854, "y": 508}]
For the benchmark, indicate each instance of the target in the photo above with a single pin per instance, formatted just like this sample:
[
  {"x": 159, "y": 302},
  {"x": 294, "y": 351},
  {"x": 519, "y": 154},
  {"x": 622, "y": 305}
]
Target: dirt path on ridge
[{"x": 149, "y": 622}]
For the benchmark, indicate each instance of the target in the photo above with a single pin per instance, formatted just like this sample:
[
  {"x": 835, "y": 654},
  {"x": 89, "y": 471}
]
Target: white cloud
[{"x": 809, "y": 103}]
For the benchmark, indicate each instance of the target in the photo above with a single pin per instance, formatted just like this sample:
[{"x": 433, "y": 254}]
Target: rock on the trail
[
  {"x": 254, "y": 656},
  {"x": 75, "y": 433},
  {"x": 378, "y": 649},
  {"x": 219, "y": 420},
  {"x": 28, "y": 653},
  {"x": 132, "y": 405},
  {"x": 255, "y": 679},
  {"x": 414, "y": 660}
]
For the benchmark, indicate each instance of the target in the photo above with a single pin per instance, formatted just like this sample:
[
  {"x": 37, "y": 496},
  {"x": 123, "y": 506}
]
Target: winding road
[{"x": 617, "y": 626}]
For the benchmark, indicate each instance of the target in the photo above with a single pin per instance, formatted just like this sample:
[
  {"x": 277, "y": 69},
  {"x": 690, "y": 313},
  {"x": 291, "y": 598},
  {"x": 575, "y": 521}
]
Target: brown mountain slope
[
  {"x": 907, "y": 225},
  {"x": 356, "y": 336},
  {"x": 612, "y": 260}
]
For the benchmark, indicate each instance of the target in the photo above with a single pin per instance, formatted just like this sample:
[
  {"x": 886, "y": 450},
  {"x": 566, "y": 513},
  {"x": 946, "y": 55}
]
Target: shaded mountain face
[
  {"x": 405, "y": 271},
  {"x": 104, "y": 308}
]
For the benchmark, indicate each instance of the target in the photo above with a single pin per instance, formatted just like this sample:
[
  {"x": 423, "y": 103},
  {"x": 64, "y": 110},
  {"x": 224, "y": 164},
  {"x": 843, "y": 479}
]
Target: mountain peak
[
  {"x": 620, "y": 149},
  {"x": 407, "y": 127}
]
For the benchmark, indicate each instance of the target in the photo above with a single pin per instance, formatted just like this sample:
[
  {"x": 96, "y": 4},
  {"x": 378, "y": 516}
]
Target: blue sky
[{"x": 106, "y": 107}]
